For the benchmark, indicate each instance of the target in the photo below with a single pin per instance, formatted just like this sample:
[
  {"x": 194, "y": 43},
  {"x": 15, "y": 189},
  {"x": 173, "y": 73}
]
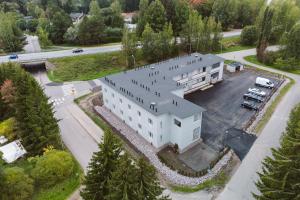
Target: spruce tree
[
  {"x": 280, "y": 176},
  {"x": 101, "y": 167},
  {"x": 123, "y": 184},
  {"x": 148, "y": 184}
]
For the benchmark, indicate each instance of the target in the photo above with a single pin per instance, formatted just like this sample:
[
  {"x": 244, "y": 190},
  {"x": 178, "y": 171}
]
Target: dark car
[
  {"x": 249, "y": 105},
  {"x": 77, "y": 50},
  {"x": 253, "y": 97},
  {"x": 13, "y": 56}
]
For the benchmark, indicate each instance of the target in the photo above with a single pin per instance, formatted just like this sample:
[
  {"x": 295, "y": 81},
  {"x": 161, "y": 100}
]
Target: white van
[{"x": 264, "y": 82}]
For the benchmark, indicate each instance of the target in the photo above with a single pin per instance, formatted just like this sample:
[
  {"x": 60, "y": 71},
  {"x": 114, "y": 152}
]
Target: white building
[
  {"x": 150, "y": 98},
  {"x": 12, "y": 151},
  {"x": 234, "y": 67}
]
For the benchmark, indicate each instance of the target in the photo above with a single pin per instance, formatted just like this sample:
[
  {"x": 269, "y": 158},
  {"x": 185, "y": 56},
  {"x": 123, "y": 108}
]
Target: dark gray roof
[{"x": 151, "y": 86}]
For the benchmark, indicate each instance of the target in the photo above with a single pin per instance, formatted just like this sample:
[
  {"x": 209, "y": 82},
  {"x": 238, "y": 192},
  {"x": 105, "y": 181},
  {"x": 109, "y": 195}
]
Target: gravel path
[{"x": 150, "y": 152}]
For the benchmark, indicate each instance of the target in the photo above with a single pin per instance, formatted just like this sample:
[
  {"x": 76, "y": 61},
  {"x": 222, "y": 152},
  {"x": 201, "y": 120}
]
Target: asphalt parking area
[{"x": 223, "y": 105}]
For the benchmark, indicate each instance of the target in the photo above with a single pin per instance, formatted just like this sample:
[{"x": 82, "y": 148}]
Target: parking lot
[{"x": 223, "y": 105}]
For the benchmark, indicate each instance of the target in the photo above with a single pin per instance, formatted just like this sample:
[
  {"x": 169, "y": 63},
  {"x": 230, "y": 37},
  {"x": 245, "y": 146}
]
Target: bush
[
  {"x": 288, "y": 64},
  {"x": 271, "y": 57},
  {"x": 54, "y": 166},
  {"x": 249, "y": 35},
  {"x": 17, "y": 184},
  {"x": 7, "y": 128}
]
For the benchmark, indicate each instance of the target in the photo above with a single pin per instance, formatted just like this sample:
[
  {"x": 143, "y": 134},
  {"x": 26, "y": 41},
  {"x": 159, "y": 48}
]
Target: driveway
[{"x": 33, "y": 45}]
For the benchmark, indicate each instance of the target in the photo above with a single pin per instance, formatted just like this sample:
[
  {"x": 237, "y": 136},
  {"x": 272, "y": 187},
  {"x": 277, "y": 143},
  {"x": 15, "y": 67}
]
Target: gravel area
[{"x": 150, "y": 152}]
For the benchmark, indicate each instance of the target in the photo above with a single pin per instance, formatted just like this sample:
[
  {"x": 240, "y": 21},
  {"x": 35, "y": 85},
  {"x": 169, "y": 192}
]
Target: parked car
[
  {"x": 253, "y": 97},
  {"x": 249, "y": 105},
  {"x": 77, "y": 50},
  {"x": 13, "y": 56},
  {"x": 264, "y": 82},
  {"x": 257, "y": 91}
]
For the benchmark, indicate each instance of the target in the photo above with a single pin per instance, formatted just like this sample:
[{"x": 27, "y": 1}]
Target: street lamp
[{"x": 133, "y": 60}]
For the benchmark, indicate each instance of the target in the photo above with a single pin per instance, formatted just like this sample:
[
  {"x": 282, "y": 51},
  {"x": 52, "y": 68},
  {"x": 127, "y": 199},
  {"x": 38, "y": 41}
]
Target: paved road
[
  {"x": 242, "y": 183},
  {"x": 33, "y": 45},
  {"x": 89, "y": 50}
]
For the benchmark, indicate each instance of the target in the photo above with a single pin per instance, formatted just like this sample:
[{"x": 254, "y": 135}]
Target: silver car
[{"x": 257, "y": 91}]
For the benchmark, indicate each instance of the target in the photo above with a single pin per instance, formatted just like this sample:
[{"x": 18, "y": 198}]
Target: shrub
[
  {"x": 249, "y": 35},
  {"x": 7, "y": 128},
  {"x": 288, "y": 64},
  {"x": 17, "y": 184},
  {"x": 271, "y": 57},
  {"x": 54, "y": 166}
]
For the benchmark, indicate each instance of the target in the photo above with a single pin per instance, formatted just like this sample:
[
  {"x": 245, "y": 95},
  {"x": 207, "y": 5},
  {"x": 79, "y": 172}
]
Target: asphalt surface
[
  {"x": 33, "y": 45},
  {"x": 88, "y": 50}
]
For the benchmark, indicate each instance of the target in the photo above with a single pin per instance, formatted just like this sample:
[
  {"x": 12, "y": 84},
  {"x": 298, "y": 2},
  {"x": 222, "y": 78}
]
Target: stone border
[{"x": 149, "y": 152}]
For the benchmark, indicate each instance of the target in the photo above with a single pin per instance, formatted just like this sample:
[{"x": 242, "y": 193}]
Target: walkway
[
  {"x": 243, "y": 182},
  {"x": 150, "y": 152}
]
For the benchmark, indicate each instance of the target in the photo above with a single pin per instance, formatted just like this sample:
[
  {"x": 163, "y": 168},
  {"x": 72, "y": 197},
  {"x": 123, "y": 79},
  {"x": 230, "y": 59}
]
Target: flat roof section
[{"x": 151, "y": 86}]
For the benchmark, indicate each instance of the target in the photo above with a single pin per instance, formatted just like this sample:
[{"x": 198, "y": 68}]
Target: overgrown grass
[
  {"x": 63, "y": 190},
  {"x": 87, "y": 67},
  {"x": 219, "y": 180},
  {"x": 270, "y": 110},
  {"x": 254, "y": 60},
  {"x": 231, "y": 44}
]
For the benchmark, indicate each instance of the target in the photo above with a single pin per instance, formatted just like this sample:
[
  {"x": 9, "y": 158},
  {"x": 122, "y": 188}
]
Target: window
[
  {"x": 120, "y": 100},
  {"x": 204, "y": 69},
  {"x": 121, "y": 111},
  {"x": 178, "y": 123},
  {"x": 139, "y": 113},
  {"x": 150, "y": 121},
  {"x": 140, "y": 126},
  {"x": 130, "y": 119},
  {"x": 203, "y": 78},
  {"x": 196, "y": 133},
  {"x": 129, "y": 106},
  {"x": 196, "y": 117},
  {"x": 216, "y": 65},
  {"x": 150, "y": 134}
]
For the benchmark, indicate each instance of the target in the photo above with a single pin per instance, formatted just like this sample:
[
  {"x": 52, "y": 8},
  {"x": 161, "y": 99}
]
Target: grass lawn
[
  {"x": 230, "y": 44},
  {"x": 219, "y": 180},
  {"x": 87, "y": 67},
  {"x": 254, "y": 60}
]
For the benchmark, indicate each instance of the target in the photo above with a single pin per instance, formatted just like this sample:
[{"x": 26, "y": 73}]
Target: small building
[
  {"x": 76, "y": 17},
  {"x": 150, "y": 99},
  {"x": 3, "y": 140},
  {"x": 235, "y": 67},
  {"x": 128, "y": 20},
  {"x": 12, "y": 151}
]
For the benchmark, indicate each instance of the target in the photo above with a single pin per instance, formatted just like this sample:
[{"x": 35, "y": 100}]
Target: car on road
[
  {"x": 253, "y": 97},
  {"x": 257, "y": 91},
  {"x": 264, "y": 82},
  {"x": 249, "y": 105},
  {"x": 78, "y": 50},
  {"x": 13, "y": 56}
]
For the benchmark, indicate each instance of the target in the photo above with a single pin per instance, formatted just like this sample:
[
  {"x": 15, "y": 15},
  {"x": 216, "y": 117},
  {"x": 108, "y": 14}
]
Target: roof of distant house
[
  {"x": 151, "y": 86},
  {"x": 196, "y": 2},
  {"x": 12, "y": 151},
  {"x": 75, "y": 15}
]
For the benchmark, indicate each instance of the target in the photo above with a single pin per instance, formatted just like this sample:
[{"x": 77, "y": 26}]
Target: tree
[
  {"x": 148, "y": 45},
  {"x": 123, "y": 183},
  {"x": 43, "y": 37},
  {"x": 52, "y": 167},
  {"x": 181, "y": 16},
  {"x": 165, "y": 42},
  {"x": 292, "y": 44},
  {"x": 60, "y": 23},
  {"x": 156, "y": 16},
  {"x": 142, "y": 21},
  {"x": 280, "y": 176},
  {"x": 249, "y": 35},
  {"x": 100, "y": 169},
  {"x": 129, "y": 47},
  {"x": 11, "y": 37},
  {"x": 148, "y": 185},
  {"x": 94, "y": 8},
  {"x": 17, "y": 184},
  {"x": 225, "y": 11},
  {"x": 264, "y": 34},
  {"x": 205, "y": 8},
  {"x": 8, "y": 128},
  {"x": 116, "y": 18},
  {"x": 8, "y": 93}
]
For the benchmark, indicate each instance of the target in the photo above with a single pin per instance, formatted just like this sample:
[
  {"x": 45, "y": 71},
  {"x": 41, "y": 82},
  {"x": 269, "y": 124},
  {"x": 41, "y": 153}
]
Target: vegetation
[
  {"x": 219, "y": 180},
  {"x": 280, "y": 175},
  {"x": 88, "y": 67},
  {"x": 249, "y": 35},
  {"x": 113, "y": 175}
]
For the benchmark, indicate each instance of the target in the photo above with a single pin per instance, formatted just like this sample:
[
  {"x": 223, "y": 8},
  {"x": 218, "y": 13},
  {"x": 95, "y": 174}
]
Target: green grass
[
  {"x": 219, "y": 180},
  {"x": 63, "y": 190},
  {"x": 254, "y": 60},
  {"x": 231, "y": 44},
  {"x": 87, "y": 67}
]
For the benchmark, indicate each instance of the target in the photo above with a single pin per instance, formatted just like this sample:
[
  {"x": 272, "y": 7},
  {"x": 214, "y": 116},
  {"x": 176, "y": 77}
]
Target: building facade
[{"x": 150, "y": 99}]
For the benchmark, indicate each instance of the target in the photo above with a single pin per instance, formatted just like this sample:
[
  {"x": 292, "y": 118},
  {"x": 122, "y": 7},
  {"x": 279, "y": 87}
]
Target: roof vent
[{"x": 152, "y": 67}]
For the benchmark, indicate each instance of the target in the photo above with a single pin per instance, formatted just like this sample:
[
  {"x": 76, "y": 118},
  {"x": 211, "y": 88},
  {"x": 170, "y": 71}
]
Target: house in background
[
  {"x": 12, "y": 151},
  {"x": 128, "y": 20},
  {"x": 76, "y": 17},
  {"x": 150, "y": 99}
]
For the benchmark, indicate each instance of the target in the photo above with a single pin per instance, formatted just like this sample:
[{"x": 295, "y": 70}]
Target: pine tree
[
  {"x": 148, "y": 46},
  {"x": 101, "y": 167},
  {"x": 142, "y": 21},
  {"x": 123, "y": 184},
  {"x": 148, "y": 185},
  {"x": 280, "y": 176}
]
